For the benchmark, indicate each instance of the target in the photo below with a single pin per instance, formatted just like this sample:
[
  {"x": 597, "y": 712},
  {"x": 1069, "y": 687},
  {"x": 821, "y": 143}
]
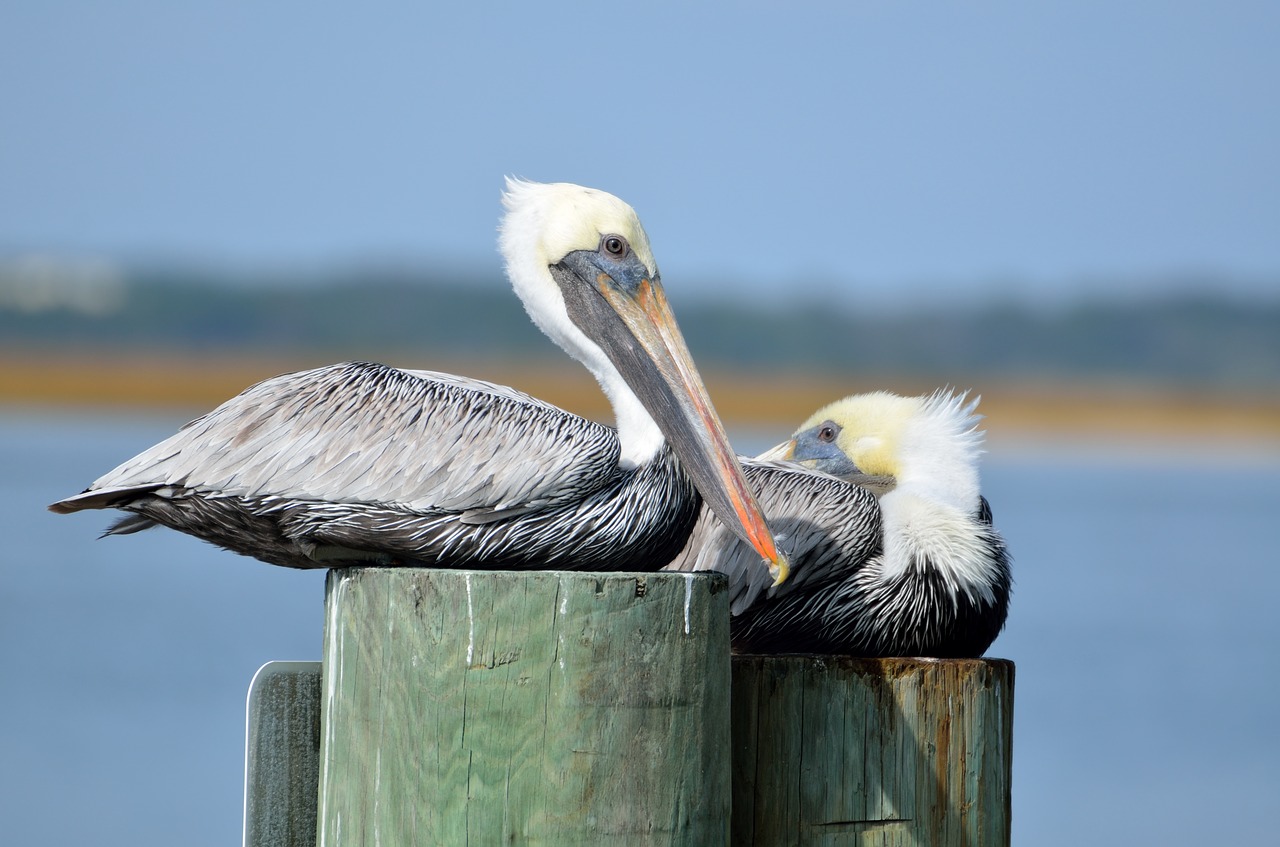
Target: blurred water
[{"x": 1143, "y": 627}]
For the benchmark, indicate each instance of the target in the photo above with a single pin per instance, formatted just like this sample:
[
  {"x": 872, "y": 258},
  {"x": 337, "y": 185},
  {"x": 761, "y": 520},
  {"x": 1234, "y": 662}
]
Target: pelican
[
  {"x": 363, "y": 463},
  {"x": 875, "y": 502}
]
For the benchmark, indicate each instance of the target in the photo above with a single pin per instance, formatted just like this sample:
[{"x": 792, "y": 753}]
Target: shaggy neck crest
[
  {"x": 939, "y": 449},
  {"x": 930, "y": 516}
]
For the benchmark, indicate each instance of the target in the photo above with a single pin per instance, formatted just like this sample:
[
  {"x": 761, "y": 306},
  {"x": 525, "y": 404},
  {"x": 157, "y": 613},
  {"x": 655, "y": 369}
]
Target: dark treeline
[{"x": 1185, "y": 340}]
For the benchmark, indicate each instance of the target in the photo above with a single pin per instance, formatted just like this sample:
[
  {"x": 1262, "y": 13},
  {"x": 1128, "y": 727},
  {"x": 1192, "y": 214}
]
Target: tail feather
[
  {"x": 128, "y": 525},
  {"x": 102, "y": 498}
]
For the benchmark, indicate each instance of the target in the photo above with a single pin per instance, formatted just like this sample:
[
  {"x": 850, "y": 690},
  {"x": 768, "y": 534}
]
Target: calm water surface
[{"x": 1144, "y": 628}]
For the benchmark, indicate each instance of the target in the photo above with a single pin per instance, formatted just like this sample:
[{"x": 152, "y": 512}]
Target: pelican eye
[
  {"x": 828, "y": 432},
  {"x": 615, "y": 246}
]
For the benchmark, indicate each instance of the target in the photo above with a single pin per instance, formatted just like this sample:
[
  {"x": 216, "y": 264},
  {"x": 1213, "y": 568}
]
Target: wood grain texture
[
  {"x": 838, "y": 751},
  {"x": 282, "y": 755},
  {"x": 538, "y": 708}
]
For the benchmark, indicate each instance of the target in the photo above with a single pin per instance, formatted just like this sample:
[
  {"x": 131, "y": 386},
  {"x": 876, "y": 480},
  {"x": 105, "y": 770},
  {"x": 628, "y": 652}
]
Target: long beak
[
  {"x": 662, "y": 375},
  {"x": 780, "y": 452},
  {"x": 830, "y": 461}
]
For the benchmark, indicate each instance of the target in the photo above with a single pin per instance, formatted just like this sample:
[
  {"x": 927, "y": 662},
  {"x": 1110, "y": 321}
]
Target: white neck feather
[
  {"x": 931, "y": 514},
  {"x": 938, "y": 452},
  {"x": 638, "y": 435}
]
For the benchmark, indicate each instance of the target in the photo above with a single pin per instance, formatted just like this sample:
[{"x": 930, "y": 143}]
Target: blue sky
[{"x": 881, "y": 150}]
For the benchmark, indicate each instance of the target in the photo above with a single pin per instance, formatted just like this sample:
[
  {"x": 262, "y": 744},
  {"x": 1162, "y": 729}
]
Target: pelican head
[
  {"x": 929, "y": 444},
  {"x": 920, "y": 456},
  {"x": 580, "y": 261}
]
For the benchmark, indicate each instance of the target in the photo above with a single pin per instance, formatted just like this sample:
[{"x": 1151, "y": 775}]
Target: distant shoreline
[{"x": 1013, "y": 410}]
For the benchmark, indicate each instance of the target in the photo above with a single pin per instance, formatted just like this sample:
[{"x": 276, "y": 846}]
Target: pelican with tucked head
[
  {"x": 368, "y": 464},
  {"x": 890, "y": 541}
]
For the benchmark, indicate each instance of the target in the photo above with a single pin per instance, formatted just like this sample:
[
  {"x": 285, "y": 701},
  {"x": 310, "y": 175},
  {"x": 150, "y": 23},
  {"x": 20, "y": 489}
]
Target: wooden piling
[
  {"x": 825, "y": 750},
  {"x": 839, "y": 751},
  {"x": 538, "y": 708},
  {"x": 282, "y": 755}
]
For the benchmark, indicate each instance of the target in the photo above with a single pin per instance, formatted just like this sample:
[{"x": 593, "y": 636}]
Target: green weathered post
[
  {"x": 831, "y": 751},
  {"x": 282, "y": 755},
  {"x": 545, "y": 708}
]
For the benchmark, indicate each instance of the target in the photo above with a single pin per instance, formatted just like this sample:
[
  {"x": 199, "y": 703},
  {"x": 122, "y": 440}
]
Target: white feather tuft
[{"x": 931, "y": 514}]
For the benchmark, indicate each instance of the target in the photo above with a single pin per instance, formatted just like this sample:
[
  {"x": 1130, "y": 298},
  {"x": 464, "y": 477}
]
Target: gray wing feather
[
  {"x": 826, "y": 527},
  {"x": 371, "y": 433}
]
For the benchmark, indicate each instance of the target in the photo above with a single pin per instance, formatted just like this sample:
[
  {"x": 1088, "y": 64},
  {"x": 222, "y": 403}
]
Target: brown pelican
[
  {"x": 896, "y": 557},
  {"x": 368, "y": 464}
]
